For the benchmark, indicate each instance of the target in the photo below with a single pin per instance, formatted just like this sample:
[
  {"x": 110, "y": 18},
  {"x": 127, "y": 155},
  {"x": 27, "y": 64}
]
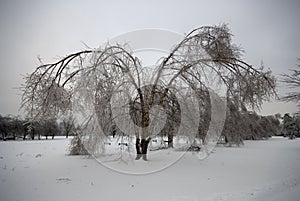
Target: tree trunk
[
  {"x": 144, "y": 145},
  {"x": 141, "y": 148},
  {"x": 170, "y": 140},
  {"x": 226, "y": 139},
  {"x": 32, "y": 133},
  {"x": 4, "y": 136},
  {"x": 138, "y": 149}
]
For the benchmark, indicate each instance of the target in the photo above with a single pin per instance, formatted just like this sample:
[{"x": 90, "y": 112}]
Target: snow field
[{"x": 258, "y": 171}]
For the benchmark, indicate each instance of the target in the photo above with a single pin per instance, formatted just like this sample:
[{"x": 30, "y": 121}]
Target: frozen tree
[
  {"x": 110, "y": 88},
  {"x": 297, "y": 125},
  {"x": 289, "y": 125},
  {"x": 293, "y": 82}
]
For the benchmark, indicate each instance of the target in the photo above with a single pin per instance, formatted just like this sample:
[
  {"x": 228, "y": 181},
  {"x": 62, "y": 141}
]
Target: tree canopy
[{"x": 98, "y": 82}]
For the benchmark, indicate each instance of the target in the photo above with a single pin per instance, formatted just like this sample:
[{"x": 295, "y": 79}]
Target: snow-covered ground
[{"x": 259, "y": 170}]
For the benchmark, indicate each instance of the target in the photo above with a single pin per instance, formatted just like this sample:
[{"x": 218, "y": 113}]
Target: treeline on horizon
[
  {"x": 17, "y": 128},
  {"x": 240, "y": 125}
]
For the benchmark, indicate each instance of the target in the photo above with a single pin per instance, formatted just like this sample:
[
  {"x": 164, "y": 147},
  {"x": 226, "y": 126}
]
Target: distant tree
[
  {"x": 3, "y": 127},
  {"x": 289, "y": 125},
  {"x": 275, "y": 125},
  {"x": 30, "y": 129},
  {"x": 268, "y": 126},
  {"x": 297, "y": 125},
  {"x": 11, "y": 127},
  {"x": 68, "y": 126},
  {"x": 50, "y": 128},
  {"x": 233, "y": 130},
  {"x": 252, "y": 126},
  {"x": 16, "y": 126},
  {"x": 278, "y": 116},
  {"x": 38, "y": 128}
]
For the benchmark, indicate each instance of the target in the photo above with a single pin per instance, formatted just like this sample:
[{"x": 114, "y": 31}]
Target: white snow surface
[{"x": 258, "y": 171}]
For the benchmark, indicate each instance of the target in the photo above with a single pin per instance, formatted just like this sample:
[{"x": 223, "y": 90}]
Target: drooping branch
[
  {"x": 49, "y": 89},
  {"x": 208, "y": 49},
  {"x": 293, "y": 82}
]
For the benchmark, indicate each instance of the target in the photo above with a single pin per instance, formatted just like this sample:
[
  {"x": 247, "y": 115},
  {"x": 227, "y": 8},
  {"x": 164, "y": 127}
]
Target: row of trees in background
[
  {"x": 239, "y": 126},
  {"x": 247, "y": 125},
  {"x": 13, "y": 128}
]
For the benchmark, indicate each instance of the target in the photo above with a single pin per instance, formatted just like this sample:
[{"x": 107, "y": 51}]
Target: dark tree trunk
[
  {"x": 138, "y": 149},
  {"x": 144, "y": 145},
  {"x": 4, "y": 135},
  {"x": 32, "y": 133},
  {"x": 170, "y": 140},
  {"x": 141, "y": 148},
  {"x": 226, "y": 139}
]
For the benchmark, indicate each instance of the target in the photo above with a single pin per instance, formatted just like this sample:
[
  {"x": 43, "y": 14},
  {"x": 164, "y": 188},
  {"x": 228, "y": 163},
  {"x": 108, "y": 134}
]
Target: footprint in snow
[
  {"x": 63, "y": 180},
  {"x": 38, "y": 155}
]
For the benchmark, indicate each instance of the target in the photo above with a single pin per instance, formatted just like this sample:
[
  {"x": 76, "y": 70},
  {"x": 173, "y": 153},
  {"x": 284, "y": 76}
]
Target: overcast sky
[{"x": 268, "y": 31}]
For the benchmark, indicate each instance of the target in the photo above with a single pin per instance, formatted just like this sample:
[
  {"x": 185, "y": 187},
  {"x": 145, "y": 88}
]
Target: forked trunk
[{"x": 141, "y": 148}]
